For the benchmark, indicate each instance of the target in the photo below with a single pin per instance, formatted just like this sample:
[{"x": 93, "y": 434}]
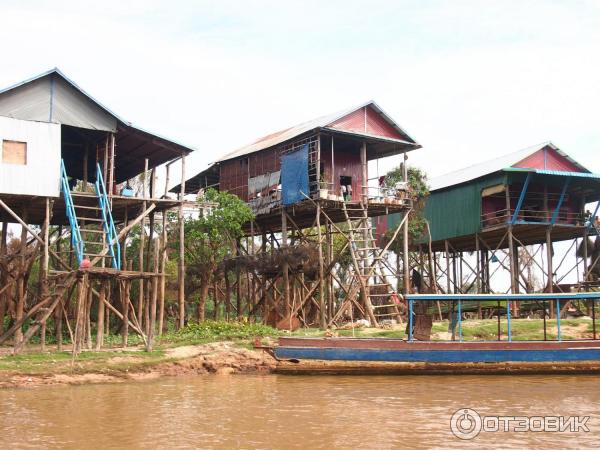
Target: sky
[{"x": 469, "y": 80}]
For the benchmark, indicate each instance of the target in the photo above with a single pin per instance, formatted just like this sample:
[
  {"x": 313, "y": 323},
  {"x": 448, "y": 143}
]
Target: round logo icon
[{"x": 465, "y": 423}]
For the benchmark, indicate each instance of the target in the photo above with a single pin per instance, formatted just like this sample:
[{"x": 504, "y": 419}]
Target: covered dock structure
[{"x": 507, "y": 214}]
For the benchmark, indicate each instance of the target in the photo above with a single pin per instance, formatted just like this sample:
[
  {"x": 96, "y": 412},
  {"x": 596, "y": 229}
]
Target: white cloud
[{"x": 469, "y": 80}]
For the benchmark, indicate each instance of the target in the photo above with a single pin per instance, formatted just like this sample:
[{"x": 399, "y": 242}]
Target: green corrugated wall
[{"x": 456, "y": 211}]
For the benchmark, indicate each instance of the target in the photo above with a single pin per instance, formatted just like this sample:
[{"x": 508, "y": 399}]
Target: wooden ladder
[{"x": 382, "y": 300}]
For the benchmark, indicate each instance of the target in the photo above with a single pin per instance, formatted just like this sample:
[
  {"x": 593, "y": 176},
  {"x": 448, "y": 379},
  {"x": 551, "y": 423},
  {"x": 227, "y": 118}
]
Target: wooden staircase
[
  {"x": 93, "y": 233},
  {"x": 381, "y": 299}
]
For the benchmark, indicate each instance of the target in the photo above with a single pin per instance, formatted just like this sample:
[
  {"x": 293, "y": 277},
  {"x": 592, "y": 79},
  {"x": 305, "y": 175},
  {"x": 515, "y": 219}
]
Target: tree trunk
[{"x": 202, "y": 300}]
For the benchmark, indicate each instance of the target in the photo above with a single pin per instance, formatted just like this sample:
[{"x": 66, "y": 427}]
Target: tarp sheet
[{"x": 294, "y": 175}]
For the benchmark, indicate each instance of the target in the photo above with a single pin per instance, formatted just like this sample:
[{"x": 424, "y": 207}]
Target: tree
[
  {"x": 211, "y": 238},
  {"x": 419, "y": 190}
]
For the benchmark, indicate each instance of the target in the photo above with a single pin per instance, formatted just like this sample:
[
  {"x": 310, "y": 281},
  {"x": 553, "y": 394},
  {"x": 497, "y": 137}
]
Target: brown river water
[{"x": 281, "y": 412}]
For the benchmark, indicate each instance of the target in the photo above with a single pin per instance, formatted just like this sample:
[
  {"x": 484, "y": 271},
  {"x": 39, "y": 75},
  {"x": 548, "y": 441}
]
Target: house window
[{"x": 14, "y": 152}]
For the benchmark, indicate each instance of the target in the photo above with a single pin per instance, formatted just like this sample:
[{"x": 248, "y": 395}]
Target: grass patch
[{"x": 214, "y": 331}]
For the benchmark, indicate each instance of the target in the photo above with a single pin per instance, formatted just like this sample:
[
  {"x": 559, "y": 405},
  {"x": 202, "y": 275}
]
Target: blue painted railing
[
  {"x": 76, "y": 240},
  {"x": 108, "y": 224}
]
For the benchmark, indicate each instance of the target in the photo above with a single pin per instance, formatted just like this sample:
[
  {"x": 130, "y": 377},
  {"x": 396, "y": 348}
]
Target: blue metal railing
[
  {"x": 76, "y": 240},
  {"x": 110, "y": 232}
]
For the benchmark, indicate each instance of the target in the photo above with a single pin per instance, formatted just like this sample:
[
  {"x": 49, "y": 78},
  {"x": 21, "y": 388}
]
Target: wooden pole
[
  {"x": 111, "y": 168},
  {"x": 163, "y": 277},
  {"x": 405, "y": 234},
  {"x": 550, "y": 277},
  {"x": 447, "y": 255},
  {"x": 322, "y": 317},
  {"x": 45, "y": 268},
  {"x": 21, "y": 287},
  {"x": 124, "y": 289},
  {"x": 285, "y": 267},
  {"x": 3, "y": 276},
  {"x": 58, "y": 317},
  {"x": 181, "y": 267},
  {"x": 86, "y": 155},
  {"x": 238, "y": 294},
  {"x": 329, "y": 259},
  {"x": 100, "y": 312},
  {"x": 151, "y": 328}
]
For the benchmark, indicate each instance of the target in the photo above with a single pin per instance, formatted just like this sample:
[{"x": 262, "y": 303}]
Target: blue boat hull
[{"x": 438, "y": 356}]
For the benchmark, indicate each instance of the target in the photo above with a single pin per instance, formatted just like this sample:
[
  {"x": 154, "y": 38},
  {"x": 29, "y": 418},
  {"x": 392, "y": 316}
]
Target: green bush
[{"x": 220, "y": 331}]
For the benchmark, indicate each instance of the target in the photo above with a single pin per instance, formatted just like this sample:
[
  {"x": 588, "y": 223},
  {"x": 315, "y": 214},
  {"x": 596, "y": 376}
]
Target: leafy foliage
[
  {"x": 220, "y": 331},
  {"x": 211, "y": 238},
  {"x": 419, "y": 190},
  {"x": 207, "y": 238}
]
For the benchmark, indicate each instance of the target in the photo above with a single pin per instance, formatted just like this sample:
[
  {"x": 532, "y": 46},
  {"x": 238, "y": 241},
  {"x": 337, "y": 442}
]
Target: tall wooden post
[
  {"x": 111, "y": 168},
  {"x": 511, "y": 257},
  {"x": 100, "y": 312},
  {"x": 511, "y": 246},
  {"x": 405, "y": 234},
  {"x": 45, "y": 268},
  {"x": 285, "y": 267},
  {"x": 322, "y": 316},
  {"x": 152, "y": 324},
  {"x": 3, "y": 276},
  {"x": 263, "y": 281},
  {"x": 329, "y": 259},
  {"x": 181, "y": 266},
  {"x": 86, "y": 156},
  {"x": 124, "y": 290},
  {"x": 21, "y": 287},
  {"x": 447, "y": 255},
  {"x": 550, "y": 278},
  {"x": 238, "y": 294},
  {"x": 163, "y": 264},
  {"x": 141, "y": 263}
]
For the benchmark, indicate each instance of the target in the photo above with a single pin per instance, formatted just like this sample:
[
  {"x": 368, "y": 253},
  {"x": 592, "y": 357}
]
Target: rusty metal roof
[
  {"x": 323, "y": 122},
  {"x": 493, "y": 165}
]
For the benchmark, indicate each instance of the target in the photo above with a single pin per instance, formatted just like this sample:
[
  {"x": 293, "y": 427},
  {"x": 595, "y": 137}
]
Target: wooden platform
[
  {"x": 303, "y": 213},
  {"x": 109, "y": 273},
  {"x": 122, "y": 207},
  {"x": 528, "y": 234}
]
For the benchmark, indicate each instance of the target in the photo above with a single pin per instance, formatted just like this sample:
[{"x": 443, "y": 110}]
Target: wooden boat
[{"x": 376, "y": 355}]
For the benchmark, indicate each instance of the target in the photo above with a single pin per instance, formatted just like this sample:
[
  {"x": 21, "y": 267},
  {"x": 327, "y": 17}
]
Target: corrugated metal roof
[
  {"x": 494, "y": 165},
  {"x": 127, "y": 123},
  {"x": 558, "y": 173},
  {"x": 320, "y": 122}
]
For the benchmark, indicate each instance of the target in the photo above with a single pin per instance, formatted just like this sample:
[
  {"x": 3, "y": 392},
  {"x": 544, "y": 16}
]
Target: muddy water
[{"x": 282, "y": 412}]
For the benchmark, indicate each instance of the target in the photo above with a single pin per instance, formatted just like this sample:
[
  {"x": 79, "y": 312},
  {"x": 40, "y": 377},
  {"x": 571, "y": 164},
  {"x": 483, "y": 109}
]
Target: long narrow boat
[{"x": 376, "y": 355}]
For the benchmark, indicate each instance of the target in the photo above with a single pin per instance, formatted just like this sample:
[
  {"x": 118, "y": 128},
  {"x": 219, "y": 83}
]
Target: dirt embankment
[{"x": 222, "y": 358}]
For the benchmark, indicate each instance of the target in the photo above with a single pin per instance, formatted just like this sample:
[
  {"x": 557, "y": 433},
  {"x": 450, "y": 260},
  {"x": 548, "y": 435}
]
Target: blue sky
[{"x": 470, "y": 80}]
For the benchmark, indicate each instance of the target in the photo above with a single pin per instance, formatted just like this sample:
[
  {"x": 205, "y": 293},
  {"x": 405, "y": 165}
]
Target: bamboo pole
[
  {"x": 21, "y": 287},
  {"x": 100, "y": 312},
  {"x": 141, "y": 262},
  {"x": 322, "y": 317},
  {"x": 163, "y": 277},
  {"x": 181, "y": 266},
  {"x": 152, "y": 324}
]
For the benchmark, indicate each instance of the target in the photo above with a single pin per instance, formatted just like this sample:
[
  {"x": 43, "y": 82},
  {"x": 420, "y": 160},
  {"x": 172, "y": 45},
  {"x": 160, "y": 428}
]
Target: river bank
[
  {"x": 223, "y": 348},
  {"x": 115, "y": 366}
]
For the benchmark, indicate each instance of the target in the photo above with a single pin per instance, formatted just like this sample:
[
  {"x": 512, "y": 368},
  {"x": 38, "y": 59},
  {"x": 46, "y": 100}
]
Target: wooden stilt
[
  {"x": 3, "y": 275},
  {"x": 181, "y": 267},
  {"x": 21, "y": 283},
  {"x": 322, "y": 316},
  {"x": 100, "y": 312}
]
